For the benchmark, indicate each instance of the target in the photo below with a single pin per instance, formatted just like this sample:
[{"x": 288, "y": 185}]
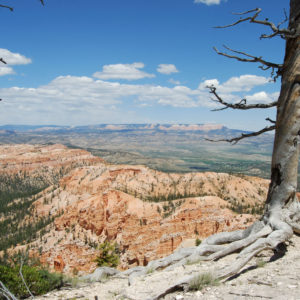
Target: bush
[
  {"x": 201, "y": 281},
  {"x": 109, "y": 255},
  {"x": 198, "y": 242},
  {"x": 260, "y": 263},
  {"x": 39, "y": 281}
]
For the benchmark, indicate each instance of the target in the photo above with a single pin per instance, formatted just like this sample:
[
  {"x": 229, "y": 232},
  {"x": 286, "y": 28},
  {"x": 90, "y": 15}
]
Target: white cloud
[
  {"x": 203, "y": 85},
  {"x": 123, "y": 71},
  {"x": 208, "y": 2},
  {"x": 6, "y": 71},
  {"x": 14, "y": 58},
  {"x": 243, "y": 83},
  {"x": 85, "y": 100},
  {"x": 236, "y": 84},
  {"x": 167, "y": 69},
  {"x": 173, "y": 81},
  {"x": 11, "y": 59},
  {"x": 262, "y": 97}
]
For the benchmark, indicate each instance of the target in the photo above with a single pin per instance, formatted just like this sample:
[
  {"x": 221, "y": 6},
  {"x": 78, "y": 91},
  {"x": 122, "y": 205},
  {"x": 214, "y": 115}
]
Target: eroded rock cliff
[{"x": 148, "y": 213}]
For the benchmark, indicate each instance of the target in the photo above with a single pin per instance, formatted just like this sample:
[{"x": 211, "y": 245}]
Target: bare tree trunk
[{"x": 282, "y": 198}]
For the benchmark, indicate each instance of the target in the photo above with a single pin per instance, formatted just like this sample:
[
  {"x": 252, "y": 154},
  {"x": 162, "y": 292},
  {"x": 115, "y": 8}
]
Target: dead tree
[{"x": 281, "y": 218}]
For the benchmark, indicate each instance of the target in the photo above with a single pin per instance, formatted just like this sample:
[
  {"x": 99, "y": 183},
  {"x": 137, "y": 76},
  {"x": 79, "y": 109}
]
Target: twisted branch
[
  {"x": 12, "y": 9},
  {"x": 240, "y": 105},
  {"x": 276, "y": 30},
  {"x": 5, "y": 6},
  {"x": 5, "y": 292},
  {"x": 23, "y": 279},
  {"x": 265, "y": 65},
  {"x": 244, "y": 135},
  {"x": 271, "y": 121}
]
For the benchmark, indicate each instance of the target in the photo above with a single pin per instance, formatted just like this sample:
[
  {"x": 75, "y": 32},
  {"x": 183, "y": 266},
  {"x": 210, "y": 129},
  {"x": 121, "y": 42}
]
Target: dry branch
[
  {"x": 11, "y": 8},
  {"x": 250, "y": 295},
  {"x": 265, "y": 65},
  {"x": 276, "y": 30},
  {"x": 23, "y": 280},
  {"x": 271, "y": 121},
  {"x": 5, "y": 6},
  {"x": 240, "y": 105},
  {"x": 245, "y": 135},
  {"x": 5, "y": 292}
]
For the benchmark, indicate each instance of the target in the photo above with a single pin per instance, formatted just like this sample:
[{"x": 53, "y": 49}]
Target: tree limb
[
  {"x": 244, "y": 135},
  {"x": 265, "y": 65},
  {"x": 5, "y": 291},
  {"x": 5, "y": 6},
  {"x": 283, "y": 33},
  {"x": 3, "y": 61},
  {"x": 22, "y": 277},
  {"x": 12, "y": 9},
  {"x": 271, "y": 121},
  {"x": 240, "y": 105}
]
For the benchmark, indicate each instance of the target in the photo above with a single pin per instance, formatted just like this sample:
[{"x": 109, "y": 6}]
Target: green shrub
[
  {"x": 260, "y": 263},
  {"x": 39, "y": 281},
  {"x": 198, "y": 242},
  {"x": 108, "y": 256},
  {"x": 203, "y": 280}
]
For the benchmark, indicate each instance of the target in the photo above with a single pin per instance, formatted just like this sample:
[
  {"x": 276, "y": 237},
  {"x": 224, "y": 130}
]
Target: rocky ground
[{"x": 261, "y": 279}]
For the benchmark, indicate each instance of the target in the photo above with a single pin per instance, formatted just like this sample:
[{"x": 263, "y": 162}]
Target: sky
[{"x": 74, "y": 62}]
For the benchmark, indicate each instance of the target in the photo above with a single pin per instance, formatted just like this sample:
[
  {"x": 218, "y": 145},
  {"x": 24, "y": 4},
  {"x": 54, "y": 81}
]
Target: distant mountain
[
  {"x": 164, "y": 147},
  {"x": 116, "y": 127},
  {"x": 24, "y": 128}
]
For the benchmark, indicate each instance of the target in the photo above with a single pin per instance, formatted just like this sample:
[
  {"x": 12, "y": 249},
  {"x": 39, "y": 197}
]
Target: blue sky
[{"x": 85, "y": 62}]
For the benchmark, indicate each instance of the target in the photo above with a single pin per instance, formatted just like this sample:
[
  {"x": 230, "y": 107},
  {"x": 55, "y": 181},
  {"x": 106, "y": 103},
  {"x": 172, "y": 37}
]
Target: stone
[{"x": 99, "y": 274}]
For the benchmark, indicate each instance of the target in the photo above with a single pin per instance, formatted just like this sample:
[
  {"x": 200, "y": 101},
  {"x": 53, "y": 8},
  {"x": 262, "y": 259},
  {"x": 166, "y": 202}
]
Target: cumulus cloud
[
  {"x": 173, "y": 81},
  {"x": 243, "y": 83},
  {"x": 236, "y": 84},
  {"x": 208, "y": 2},
  {"x": 86, "y": 100},
  {"x": 6, "y": 71},
  {"x": 167, "y": 69},
  {"x": 123, "y": 71},
  {"x": 262, "y": 97},
  {"x": 11, "y": 59},
  {"x": 14, "y": 58}
]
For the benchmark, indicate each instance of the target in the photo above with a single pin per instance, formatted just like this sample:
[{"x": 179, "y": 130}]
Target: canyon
[{"x": 148, "y": 213}]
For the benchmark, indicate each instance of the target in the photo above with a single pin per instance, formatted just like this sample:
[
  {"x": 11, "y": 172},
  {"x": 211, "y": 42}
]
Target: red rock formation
[
  {"x": 59, "y": 264},
  {"x": 95, "y": 202}
]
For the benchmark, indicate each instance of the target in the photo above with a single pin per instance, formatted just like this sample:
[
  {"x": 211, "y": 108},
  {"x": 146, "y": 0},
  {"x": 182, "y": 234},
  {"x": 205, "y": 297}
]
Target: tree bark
[{"x": 284, "y": 171}]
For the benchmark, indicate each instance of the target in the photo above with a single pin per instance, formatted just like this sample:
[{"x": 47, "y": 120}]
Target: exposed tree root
[
  {"x": 292, "y": 216},
  {"x": 276, "y": 227},
  {"x": 249, "y": 242}
]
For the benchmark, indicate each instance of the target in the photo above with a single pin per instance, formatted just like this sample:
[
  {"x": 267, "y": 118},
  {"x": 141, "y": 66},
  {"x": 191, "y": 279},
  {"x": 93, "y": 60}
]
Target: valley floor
[{"x": 279, "y": 279}]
